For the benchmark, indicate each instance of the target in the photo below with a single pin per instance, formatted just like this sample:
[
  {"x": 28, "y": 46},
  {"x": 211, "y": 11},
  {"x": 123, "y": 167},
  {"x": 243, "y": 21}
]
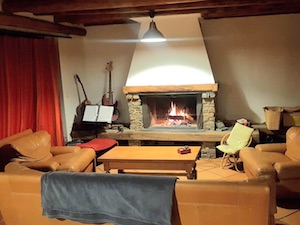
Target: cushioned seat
[
  {"x": 34, "y": 150},
  {"x": 100, "y": 145},
  {"x": 281, "y": 161},
  {"x": 231, "y": 143}
]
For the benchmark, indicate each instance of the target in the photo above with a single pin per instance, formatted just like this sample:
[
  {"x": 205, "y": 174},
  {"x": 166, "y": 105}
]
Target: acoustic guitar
[
  {"x": 78, "y": 124},
  {"x": 107, "y": 99},
  {"x": 86, "y": 101}
]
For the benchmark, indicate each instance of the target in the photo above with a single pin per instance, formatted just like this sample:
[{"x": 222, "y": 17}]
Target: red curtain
[{"x": 29, "y": 94}]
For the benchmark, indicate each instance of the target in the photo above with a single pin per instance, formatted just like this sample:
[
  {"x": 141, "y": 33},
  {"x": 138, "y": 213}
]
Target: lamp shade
[{"x": 153, "y": 35}]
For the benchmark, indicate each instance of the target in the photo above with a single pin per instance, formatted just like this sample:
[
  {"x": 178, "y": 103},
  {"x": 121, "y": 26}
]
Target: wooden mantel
[
  {"x": 191, "y": 136},
  {"x": 171, "y": 88}
]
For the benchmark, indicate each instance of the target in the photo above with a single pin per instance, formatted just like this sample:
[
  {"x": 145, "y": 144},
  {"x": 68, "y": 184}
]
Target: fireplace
[
  {"x": 170, "y": 85},
  {"x": 171, "y": 111},
  {"x": 180, "y": 110}
]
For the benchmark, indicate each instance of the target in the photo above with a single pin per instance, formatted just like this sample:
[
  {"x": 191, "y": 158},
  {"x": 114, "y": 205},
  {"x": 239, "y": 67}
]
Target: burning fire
[
  {"x": 178, "y": 116},
  {"x": 173, "y": 110}
]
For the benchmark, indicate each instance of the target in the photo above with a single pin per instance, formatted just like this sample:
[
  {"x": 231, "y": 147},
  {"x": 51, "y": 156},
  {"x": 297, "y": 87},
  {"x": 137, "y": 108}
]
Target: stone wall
[
  {"x": 208, "y": 111},
  {"x": 135, "y": 111}
]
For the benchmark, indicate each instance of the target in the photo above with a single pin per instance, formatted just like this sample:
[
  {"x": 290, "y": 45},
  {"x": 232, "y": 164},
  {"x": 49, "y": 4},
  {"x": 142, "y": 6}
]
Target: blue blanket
[{"x": 121, "y": 199}]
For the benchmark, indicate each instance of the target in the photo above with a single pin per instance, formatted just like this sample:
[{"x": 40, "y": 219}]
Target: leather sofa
[
  {"x": 34, "y": 150},
  {"x": 281, "y": 161},
  {"x": 196, "y": 202}
]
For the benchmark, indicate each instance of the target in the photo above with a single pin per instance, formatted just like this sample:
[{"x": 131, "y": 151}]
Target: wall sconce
[{"x": 153, "y": 34}]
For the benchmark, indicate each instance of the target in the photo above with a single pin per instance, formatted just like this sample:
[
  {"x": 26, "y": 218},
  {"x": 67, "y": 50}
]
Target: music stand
[{"x": 98, "y": 114}]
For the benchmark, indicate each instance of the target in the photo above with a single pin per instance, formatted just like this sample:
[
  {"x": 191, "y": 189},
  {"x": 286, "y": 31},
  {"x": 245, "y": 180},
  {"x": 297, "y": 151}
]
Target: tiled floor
[{"x": 288, "y": 213}]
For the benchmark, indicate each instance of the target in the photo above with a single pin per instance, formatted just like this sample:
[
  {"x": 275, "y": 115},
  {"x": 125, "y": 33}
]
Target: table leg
[
  {"x": 193, "y": 173},
  {"x": 106, "y": 167}
]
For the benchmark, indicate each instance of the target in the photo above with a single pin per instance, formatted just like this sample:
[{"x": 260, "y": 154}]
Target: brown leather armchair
[
  {"x": 281, "y": 161},
  {"x": 34, "y": 150}
]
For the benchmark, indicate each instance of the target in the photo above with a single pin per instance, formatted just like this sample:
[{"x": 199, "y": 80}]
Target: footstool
[{"x": 100, "y": 145}]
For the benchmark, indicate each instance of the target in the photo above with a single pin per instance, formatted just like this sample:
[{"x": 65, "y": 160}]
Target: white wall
[
  {"x": 182, "y": 59},
  {"x": 87, "y": 56},
  {"x": 72, "y": 61},
  {"x": 255, "y": 60}
]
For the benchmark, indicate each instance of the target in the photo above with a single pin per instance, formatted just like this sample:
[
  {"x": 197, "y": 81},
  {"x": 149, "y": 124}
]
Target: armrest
[
  {"x": 83, "y": 159},
  {"x": 274, "y": 147},
  {"x": 288, "y": 170},
  {"x": 56, "y": 150},
  {"x": 272, "y": 185},
  {"x": 266, "y": 169},
  {"x": 42, "y": 166},
  {"x": 224, "y": 139}
]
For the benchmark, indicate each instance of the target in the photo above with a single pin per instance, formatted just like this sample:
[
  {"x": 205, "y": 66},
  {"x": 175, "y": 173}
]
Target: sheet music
[
  {"x": 105, "y": 114},
  {"x": 90, "y": 113},
  {"x": 98, "y": 113}
]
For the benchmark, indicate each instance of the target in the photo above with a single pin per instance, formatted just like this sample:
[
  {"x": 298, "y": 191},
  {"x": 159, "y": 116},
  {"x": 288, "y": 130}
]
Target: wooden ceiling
[{"x": 105, "y": 12}]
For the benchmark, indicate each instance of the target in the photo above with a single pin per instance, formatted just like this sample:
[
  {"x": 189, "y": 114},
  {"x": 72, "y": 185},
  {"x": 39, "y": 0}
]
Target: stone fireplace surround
[
  {"x": 208, "y": 110},
  {"x": 208, "y": 94}
]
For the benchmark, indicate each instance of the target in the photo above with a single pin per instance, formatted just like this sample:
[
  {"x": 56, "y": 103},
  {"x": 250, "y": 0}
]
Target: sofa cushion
[
  {"x": 239, "y": 136},
  {"x": 75, "y": 162},
  {"x": 288, "y": 170},
  {"x": 33, "y": 147},
  {"x": 49, "y": 165},
  {"x": 15, "y": 136},
  {"x": 17, "y": 168},
  {"x": 293, "y": 143},
  {"x": 99, "y": 144},
  {"x": 261, "y": 163}
]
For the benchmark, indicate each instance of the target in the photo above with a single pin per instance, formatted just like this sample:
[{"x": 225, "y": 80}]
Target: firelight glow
[{"x": 170, "y": 75}]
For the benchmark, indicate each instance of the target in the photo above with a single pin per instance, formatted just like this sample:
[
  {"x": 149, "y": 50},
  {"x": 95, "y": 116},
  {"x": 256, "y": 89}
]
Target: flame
[{"x": 173, "y": 111}]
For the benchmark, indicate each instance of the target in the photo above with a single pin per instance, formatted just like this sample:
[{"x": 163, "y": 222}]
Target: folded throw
[{"x": 121, "y": 199}]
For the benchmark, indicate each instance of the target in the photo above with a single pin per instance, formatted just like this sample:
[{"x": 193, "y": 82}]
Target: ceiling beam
[
  {"x": 100, "y": 17},
  {"x": 251, "y": 11},
  {"x": 52, "y": 6},
  {"x": 31, "y": 25},
  {"x": 55, "y": 6},
  {"x": 104, "y": 12}
]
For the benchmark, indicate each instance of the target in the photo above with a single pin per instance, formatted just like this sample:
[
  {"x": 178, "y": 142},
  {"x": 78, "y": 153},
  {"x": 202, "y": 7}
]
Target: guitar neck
[
  {"x": 110, "y": 93},
  {"x": 82, "y": 87},
  {"x": 84, "y": 93}
]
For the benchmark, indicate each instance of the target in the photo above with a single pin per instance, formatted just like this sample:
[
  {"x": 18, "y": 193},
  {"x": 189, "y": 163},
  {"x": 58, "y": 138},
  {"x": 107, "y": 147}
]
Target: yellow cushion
[{"x": 239, "y": 136}]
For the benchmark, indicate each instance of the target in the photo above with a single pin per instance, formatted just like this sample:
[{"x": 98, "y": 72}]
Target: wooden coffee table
[{"x": 151, "y": 158}]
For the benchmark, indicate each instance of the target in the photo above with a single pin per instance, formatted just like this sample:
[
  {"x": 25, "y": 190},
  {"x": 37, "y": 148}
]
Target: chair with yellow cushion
[{"x": 232, "y": 143}]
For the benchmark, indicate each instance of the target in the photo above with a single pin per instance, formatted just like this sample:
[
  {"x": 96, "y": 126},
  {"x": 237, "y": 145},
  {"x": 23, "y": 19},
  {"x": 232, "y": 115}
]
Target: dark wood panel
[
  {"x": 103, "y": 12},
  {"x": 21, "y": 23}
]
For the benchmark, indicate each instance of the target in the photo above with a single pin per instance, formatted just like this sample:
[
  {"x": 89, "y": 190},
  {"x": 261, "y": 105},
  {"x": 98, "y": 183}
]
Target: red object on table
[{"x": 184, "y": 150}]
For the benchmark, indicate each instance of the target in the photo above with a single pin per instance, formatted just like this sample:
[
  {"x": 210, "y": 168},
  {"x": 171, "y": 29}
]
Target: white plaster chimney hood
[{"x": 180, "y": 61}]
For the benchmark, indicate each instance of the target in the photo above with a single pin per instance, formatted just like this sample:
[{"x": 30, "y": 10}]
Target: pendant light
[{"x": 153, "y": 34}]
